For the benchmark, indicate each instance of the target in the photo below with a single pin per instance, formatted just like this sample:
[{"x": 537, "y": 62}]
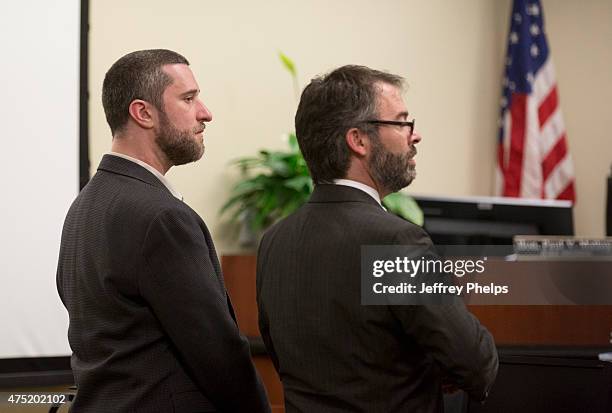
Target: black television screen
[{"x": 493, "y": 220}]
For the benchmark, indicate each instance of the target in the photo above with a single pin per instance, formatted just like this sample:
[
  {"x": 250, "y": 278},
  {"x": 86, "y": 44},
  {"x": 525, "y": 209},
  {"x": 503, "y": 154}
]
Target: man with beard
[
  {"x": 151, "y": 326},
  {"x": 332, "y": 353}
]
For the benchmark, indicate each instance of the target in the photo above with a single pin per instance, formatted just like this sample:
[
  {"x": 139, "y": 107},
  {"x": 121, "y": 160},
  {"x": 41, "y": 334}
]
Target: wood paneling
[
  {"x": 547, "y": 325},
  {"x": 239, "y": 274},
  {"x": 271, "y": 381}
]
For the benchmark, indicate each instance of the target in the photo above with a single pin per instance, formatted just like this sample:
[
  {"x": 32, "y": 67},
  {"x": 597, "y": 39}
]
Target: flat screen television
[{"x": 493, "y": 220}]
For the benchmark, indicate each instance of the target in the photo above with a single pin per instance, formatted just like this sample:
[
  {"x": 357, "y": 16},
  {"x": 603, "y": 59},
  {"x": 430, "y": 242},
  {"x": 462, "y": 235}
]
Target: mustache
[
  {"x": 199, "y": 129},
  {"x": 412, "y": 152}
]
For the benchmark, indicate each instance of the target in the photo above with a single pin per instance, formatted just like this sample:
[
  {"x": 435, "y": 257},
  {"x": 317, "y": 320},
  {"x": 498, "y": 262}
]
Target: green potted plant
[
  {"x": 276, "y": 183},
  {"x": 273, "y": 185}
]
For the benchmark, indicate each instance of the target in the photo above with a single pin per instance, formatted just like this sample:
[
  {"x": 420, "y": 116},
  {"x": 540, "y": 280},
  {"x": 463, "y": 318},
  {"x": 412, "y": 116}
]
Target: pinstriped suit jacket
[
  {"x": 151, "y": 326},
  {"x": 334, "y": 354}
]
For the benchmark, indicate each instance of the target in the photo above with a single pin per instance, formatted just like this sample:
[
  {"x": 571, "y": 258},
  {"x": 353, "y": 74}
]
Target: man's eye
[{"x": 189, "y": 99}]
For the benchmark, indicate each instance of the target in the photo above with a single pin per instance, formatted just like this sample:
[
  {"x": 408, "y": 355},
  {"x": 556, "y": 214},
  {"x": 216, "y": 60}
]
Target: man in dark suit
[
  {"x": 332, "y": 353},
  {"x": 151, "y": 326}
]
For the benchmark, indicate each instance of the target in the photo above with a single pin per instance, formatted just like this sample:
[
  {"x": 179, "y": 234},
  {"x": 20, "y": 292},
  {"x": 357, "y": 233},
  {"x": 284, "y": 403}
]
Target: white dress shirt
[{"x": 363, "y": 187}]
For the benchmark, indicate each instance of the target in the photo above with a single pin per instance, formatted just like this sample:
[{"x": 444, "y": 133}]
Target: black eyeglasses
[{"x": 410, "y": 124}]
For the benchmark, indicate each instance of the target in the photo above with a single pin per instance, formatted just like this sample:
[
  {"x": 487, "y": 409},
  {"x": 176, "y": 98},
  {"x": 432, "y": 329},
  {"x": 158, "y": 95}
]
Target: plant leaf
[
  {"x": 293, "y": 143},
  {"x": 298, "y": 183},
  {"x": 404, "y": 206},
  {"x": 288, "y": 63}
]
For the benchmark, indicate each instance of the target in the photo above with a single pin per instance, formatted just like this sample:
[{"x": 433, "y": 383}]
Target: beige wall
[
  {"x": 580, "y": 36},
  {"x": 450, "y": 52}
]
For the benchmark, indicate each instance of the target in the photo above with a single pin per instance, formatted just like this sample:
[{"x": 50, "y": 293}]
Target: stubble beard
[
  {"x": 179, "y": 146},
  {"x": 390, "y": 170}
]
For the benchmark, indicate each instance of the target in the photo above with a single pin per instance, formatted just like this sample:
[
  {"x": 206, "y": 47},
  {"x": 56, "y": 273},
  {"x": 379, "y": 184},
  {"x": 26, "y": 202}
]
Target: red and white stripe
[{"x": 533, "y": 159}]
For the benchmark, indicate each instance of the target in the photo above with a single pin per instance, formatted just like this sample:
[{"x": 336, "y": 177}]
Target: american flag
[{"x": 533, "y": 157}]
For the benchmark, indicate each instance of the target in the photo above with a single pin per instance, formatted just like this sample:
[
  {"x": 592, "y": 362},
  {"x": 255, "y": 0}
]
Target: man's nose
[
  {"x": 203, "y": 114},
  {"x": 415, "y": 138}
]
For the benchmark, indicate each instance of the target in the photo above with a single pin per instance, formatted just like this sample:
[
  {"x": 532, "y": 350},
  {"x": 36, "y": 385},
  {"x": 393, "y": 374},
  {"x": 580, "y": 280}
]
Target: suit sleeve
[
  {"x": 463, "y": 348},
  {"x": 264, "y": 324},
  {"x": 187, "y": 296}
]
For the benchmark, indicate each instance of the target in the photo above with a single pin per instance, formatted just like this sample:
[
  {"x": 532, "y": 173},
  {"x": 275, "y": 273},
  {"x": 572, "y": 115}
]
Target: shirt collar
[
  {"x": 154, "y": 171},
  {"x": 358, "y": 185}
]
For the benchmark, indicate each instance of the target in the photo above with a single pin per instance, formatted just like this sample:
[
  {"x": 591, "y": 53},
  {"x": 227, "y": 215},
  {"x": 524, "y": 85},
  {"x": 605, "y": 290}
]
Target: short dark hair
[
  {"x": 137, "y": 75},
  {"x": 331, "y": 105}
]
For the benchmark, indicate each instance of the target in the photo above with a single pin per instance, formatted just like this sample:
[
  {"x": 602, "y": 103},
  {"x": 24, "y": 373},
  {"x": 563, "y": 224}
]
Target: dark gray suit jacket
[
  {"x": 151, "y": 325},
  {"x": 334, "y": 354}
]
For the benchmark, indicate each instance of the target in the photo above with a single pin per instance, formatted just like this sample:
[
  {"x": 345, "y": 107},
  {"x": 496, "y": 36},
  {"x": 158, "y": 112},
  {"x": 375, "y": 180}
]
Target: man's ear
[
  {"x": 142, "y": 113},
  {"x": 357, "y": 141}
]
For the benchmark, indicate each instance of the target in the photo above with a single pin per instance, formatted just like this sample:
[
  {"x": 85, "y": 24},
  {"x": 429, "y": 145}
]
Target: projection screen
[{"x": 40, "y": 111}]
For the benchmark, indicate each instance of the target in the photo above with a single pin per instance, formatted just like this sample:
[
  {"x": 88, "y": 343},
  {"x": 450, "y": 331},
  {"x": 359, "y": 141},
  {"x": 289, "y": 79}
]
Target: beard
[
  {"x": 179, "y": 146},
  {"x": 390, "y": 170}
]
